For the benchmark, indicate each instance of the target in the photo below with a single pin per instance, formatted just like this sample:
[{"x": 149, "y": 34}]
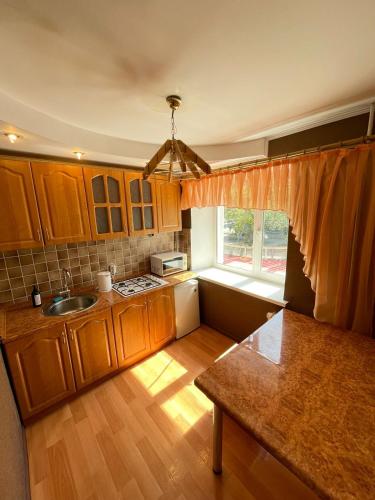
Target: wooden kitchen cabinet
[
  {"x": 161, "y": 317},
  {"x": 41, "y": 369},
  {"x": 141, "y": 204},
  {"x": 168, "y": 205},
  {"x": 19, "y": 221},
  {"x": 60, "y": 191},
  {"x": 92, "y": 347},
  {"x": 130, "y": 321},
  {"x": 105, "y": 192}
]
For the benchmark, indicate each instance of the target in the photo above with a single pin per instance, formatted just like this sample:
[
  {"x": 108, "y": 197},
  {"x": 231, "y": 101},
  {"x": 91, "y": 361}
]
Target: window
[{"x": 253, "y": 242}]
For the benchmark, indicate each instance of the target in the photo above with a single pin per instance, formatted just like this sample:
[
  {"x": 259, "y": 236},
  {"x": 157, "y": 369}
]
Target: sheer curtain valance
[{"x": 330, "y": 200}]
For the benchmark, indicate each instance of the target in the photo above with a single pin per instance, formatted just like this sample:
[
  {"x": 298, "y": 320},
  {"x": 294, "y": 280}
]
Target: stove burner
[{"x": 137, "y": 285}]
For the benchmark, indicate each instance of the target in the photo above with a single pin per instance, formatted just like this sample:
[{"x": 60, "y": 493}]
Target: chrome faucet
[{"x": 65, "y": 277}]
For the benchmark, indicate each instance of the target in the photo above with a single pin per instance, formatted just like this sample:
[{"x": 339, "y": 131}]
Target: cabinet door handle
[
  {"x": 39, "y": 233},
  {"x": 71, "y": 332},
  {"x": 63, "y": 337},
  {"x": 47, "y": 232}
]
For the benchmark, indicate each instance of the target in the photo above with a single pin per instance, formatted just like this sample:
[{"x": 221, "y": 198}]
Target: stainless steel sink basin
[{"x": 70, "y": 305}]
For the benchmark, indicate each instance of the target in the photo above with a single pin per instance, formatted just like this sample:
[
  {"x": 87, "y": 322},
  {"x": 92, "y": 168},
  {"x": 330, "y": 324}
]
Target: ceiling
[{"x": 94, "y": 74}]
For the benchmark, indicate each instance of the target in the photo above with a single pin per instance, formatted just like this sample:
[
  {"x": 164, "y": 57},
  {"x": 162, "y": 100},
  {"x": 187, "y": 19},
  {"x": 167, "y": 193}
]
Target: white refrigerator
[{"x": 186, "y": 298}]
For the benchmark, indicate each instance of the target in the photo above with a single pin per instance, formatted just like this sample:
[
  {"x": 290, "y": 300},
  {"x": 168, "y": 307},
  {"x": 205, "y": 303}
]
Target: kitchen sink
[{"x": 70, "y": 305}]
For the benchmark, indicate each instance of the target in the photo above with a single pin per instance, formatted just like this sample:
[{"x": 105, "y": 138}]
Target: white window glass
[
  {"x": 254, "y": 242},
  {"x": 237, "y": 232},
  {"x": 275, "y": 242}
]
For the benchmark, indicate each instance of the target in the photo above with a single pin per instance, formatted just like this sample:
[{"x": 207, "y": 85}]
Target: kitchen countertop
[
  {"x": 17, "y": 320},
  {"x": 305, "y": 390}
]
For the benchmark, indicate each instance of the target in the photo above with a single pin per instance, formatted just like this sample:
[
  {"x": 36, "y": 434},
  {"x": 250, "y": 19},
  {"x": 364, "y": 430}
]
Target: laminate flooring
[{"x": 146, "y": 434}]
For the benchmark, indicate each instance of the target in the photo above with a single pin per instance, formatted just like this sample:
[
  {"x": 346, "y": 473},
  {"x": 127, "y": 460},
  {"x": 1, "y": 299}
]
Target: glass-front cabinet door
[
  {"x": 106, "y": 201},
  {"x": 141, "y": 204}
]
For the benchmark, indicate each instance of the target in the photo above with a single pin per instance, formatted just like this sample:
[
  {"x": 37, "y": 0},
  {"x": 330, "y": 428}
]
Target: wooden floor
[{"x": 146, "y": 433}]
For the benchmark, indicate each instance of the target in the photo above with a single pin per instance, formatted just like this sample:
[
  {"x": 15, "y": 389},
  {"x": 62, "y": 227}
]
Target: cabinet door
[
  {"x": 161, "y": 316},
  {"x": 168, "y": 205},
  {"x": 130, "y": 322},
  {"x": 92, "y": 347},
  {"x": 60, "y": 191},
  {"x": 41, "y": 369},
  {"x": 141, "y": 204},
  {"x": 106, "y": 202},
  {"x": 19, "y": 221}
]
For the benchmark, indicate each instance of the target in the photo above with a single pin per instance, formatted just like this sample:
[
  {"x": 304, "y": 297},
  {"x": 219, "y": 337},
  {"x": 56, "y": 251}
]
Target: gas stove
[{"x": 137, "y": 285}]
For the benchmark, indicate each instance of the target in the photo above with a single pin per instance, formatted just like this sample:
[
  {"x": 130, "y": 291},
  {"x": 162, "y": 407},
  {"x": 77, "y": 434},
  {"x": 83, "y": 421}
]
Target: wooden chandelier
[{"x": 178, "y": 151}]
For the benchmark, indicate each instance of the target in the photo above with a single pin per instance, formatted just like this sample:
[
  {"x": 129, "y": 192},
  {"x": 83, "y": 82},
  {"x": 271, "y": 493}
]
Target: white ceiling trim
[
  {"x": 53, "y": 136},
  {"x": 314, "y": 120}
]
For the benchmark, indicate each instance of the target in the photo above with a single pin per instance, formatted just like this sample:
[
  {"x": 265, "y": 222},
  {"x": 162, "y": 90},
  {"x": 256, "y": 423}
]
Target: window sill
[{"x": 261, "y": 289}]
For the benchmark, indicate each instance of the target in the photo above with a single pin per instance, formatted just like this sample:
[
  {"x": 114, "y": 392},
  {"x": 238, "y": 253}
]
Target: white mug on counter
[{"x": 104, "y": 281}]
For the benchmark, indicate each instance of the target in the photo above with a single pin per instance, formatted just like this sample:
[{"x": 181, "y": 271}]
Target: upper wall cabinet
[
  {"x": 168, "y": 204},
  {"x": 141, "y": 204},
  {"x": 106, "y": 200},
  {"x": 60, "y": 190},
  {"x": 19, "y": 221}
]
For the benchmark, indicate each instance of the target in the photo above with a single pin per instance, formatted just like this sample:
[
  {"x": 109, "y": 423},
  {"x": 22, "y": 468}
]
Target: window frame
[{"x": 256, "y": 271}]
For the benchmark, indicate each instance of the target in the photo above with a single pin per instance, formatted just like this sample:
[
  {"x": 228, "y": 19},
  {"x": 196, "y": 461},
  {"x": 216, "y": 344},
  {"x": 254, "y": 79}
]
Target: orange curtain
[{"x": 330, "y": 200}]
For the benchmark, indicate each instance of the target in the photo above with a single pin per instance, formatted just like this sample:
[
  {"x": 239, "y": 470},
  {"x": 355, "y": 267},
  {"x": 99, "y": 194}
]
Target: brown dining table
[{"x": 305, "y": 390}]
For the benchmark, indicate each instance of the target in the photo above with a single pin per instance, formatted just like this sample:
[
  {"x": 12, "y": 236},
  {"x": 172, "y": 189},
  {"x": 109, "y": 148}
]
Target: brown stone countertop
[
  {"x": 306, "y": 391},
  {"x": 22, "y": 319}
]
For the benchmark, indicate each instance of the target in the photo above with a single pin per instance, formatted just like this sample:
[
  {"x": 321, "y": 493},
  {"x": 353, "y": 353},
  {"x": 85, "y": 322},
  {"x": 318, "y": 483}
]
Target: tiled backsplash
[
  {"x": 21, "y": 269},
  {"x": 184, "y": 244}
]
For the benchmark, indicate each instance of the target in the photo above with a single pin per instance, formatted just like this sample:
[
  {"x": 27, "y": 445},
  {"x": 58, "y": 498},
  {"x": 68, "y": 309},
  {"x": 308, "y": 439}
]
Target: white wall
[{"x": 203, "y": 237}]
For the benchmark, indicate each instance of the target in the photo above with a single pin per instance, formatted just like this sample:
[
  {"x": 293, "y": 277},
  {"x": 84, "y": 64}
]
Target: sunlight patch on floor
[
  {"x": 187, "y": 406},
  {"x": 158, "y": 372}
]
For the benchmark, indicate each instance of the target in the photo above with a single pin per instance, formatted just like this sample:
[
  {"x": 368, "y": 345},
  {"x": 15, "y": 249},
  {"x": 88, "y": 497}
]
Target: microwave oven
[{"x": 167, "y": 263}]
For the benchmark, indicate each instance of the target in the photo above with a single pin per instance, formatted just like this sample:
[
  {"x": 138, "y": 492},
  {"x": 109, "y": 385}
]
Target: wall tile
[
  {"x": 16, "y": 282},
  {"x": 24, "y": 251},
  {"x": 42, "y": 277},
  {"x": 27, "y": 270},
  {"x": 20, "y": 270},
  {"x": 14, "y": 272},
  {"x": 3, "y": 274},
  {"x": 12, "y": 262},
  {"x": 10, "y": 253},
  {"x": 39, "y": 258},
  {"x": 18, "y": 292},
  {"x": 50, "y": 256},
  {"x": 4, "y": 285},
  {"x": 40, "y": 268},
  {"x": 26, "y": 259},
  {"x": 29, "y": 280},
  {"x": 6, "y": 296}
]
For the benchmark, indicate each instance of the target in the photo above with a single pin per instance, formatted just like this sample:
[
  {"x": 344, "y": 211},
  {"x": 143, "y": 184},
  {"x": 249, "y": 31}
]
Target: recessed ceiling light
[
  {"x": 78, "y": 154},
  {"x": 12, "y": 137}
]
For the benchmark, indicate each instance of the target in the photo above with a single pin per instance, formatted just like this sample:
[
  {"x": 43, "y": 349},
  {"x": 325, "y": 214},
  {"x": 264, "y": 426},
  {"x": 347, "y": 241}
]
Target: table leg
[{"x": 217, "y": 440}]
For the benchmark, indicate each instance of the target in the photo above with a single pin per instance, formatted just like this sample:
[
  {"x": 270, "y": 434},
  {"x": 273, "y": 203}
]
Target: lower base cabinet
[
  {"x": 54, "y": 363},
  {"x": 92, "y": 347},
  {"x": 130, "y": 321},
  {"x": 143, "y": 325},
  {"x": 41, "y": 369},
  {"x": 161, "y": 316}
]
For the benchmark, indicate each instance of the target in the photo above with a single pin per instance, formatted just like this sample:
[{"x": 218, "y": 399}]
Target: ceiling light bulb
[
  {"x": 78, "y": 154},
  {"x": 12, "y": 137}
]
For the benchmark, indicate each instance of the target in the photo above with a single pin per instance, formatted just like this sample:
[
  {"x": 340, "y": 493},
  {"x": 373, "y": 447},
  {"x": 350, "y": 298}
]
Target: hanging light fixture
[{"x": 178, "y": 151}]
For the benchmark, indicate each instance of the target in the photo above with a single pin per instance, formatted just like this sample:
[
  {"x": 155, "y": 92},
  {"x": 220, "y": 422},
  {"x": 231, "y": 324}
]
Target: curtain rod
[
  {"x": 335, "y": 145},
  {"x": 365, "y": 139}
]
